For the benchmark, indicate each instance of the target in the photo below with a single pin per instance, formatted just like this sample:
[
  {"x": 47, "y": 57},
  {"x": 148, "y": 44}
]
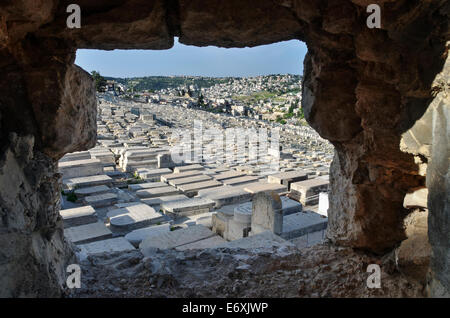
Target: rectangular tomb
[
  {"x": 135, "y": 237},
  {"x": 118, "y": 244},
  {"x": 175, "y": 238},
  {"x": 101, "y": 200},
  {"x": 192, "y": 189},
  {"x": 210, "y": 242},
  {"x": 265, "y": 187},
  {"x": 153, "y": 174},
  {"x": 87, "y": 233},
  {"x": 286, "y": 178},
  {"x": 156, "y": 202},
  {"x": 194, "y": 167},
  {"x": 147, "y": 185},
  {"x": 134, "y": 217},
  {"x": 307, "y": 192},
  {"x": 239, "y": 180},
  {"x": 227, "y": 196},
  {"x": 181, "y": 181},
  {"x": 78, "y": 216},
  {"x": 299, "y": 224},
  {"x": 187, "y": 207},
  {"x": 80, "y": 168},
  {"x": 157, "y": 192},
  {"x": 168, "y": 177},
  {"x": 84, "y": 192},
  {"x": 89, "y": 181}
]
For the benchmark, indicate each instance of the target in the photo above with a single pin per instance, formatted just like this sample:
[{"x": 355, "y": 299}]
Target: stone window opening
[{"x": 360, "y": 100}]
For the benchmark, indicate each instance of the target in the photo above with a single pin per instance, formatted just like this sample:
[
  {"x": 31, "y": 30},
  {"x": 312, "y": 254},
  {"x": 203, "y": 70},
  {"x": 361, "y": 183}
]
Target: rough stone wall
[
  {"x": 33, "y": 252},
  {"x": 47, "y": 108},
  {"x": 362, "y": 89}
]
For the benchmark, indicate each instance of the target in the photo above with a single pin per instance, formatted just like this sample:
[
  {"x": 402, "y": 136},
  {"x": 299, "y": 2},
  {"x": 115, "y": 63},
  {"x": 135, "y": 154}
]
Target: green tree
[
  {"x": 291, "y": 108},
  {"x": 99, "y": 81},
  {"x": 201, "y": 101}
]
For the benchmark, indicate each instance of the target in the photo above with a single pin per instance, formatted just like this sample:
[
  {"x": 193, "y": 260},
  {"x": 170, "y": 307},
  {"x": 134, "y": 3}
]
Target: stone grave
[
  {"x": 101, "y": 200},
  {"x": 186, "y": 207},
  {"x": 135, "y": 237},
  {"x": 286, "y": 178},
  {"x": 118, "y": 244},
  {"x": 157, "y": 192},
  {"x": 175, "y": 239},
  {"x": 192, "y": 189},
  {"x": 134, "y": 217},
  {"x": 266, "y": 213},
  {"x": 299, "y": 224},
  {"x": 307, "y": 192},
  {"x": 89, "y": 181},
  {"x": 80, "y": 168},
  {"x": 87, "y": 233},
  {"x": 78, "y": 216}
]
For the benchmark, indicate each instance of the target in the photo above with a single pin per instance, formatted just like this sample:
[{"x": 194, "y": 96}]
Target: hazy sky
[{"x": 279, "y": 58}]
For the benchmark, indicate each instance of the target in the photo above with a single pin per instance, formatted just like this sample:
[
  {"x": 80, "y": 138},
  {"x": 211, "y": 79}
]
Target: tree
[
  {"x": 99, "y": 81},
  {"x": 291, "y": 108},
  {"x": 201, "y": 101}
]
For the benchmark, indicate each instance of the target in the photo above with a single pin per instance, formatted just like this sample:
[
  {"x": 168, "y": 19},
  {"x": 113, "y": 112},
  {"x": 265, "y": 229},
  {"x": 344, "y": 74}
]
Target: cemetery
[
  {"x": 130, "y": 191},
  {"x": 90, "y": 179}
]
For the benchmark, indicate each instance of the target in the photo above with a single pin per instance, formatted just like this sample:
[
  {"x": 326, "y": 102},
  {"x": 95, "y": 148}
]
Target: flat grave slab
[
  {"x": 156, "y": 202},
  {"x": 286, "y": 178},
  {"x": 101, "y": 200},
  {"x": 147, "y": 185},
  {"x": 299, "y": 224},
  {"x": 78, "y": 216},
  {"x": 135, "y": 237},
  {"x": 187, "y": 207},
  {"x": 210, "y": 242},
  {"x": 228, "y": 175},
  {"x": 239, "y": 180},
  {"x": 181, "y": 181},
  {"x": 79, "y": 155},
  {"x": 186, "y": 174},
  {"x": 264, "y": 187},
  {"x": 157, "y": 192},
  {"x": 118, "y": 244},
  {"x": 153, "y": 174},
  {"x": 204, "y": 219},
  {"x": 175, "y": 238},
  {"x": 134, "y": 217},
  {"x": 133, "y": 165},
  {"x": 227, "y": 196},
  {"x": 84, "y": 192},
  {"x": 191, "y": 189},
  {"x": 79, "y": 168},
  {"x": 307, "y": 192},
  {"x": 88, "y": 181},
  {"x": 290, "y": 206},
  {"x": 193, "y": 167},
  {"x": 87, "y": 233},
  {"x": 123, "y": 205},
  {"x": 264, "y": 239},
  {"x": 308, "y": 239}
]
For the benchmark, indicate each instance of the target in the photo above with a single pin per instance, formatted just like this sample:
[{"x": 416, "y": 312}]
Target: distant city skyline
[{"x": 278, "y": 58}]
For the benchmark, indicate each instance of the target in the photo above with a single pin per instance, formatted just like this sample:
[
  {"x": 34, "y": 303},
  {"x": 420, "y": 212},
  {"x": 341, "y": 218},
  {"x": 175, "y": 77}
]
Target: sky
[{"x": 278, "y": 58}]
